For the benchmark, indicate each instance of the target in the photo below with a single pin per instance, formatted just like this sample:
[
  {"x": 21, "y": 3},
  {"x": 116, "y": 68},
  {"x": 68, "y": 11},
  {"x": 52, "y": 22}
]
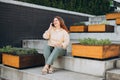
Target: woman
[{"x": 58, "y": 40}]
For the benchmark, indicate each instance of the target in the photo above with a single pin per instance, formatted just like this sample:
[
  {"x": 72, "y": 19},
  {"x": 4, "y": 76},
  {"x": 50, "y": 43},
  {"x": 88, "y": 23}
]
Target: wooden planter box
[
  {"x": 81, "y": 28},
  {"x": 96, "y": 52},
  {"x": 100, "y": 28},
  {"x": 118, "y": 21},
  {"x": 23, "y": 61},
  {"x": 0, "y": 57},
  {"x": 112, "y": 16}
]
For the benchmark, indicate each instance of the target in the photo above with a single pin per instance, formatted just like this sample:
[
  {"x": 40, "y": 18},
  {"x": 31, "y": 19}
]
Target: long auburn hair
[{"x": 62, "y": 24}]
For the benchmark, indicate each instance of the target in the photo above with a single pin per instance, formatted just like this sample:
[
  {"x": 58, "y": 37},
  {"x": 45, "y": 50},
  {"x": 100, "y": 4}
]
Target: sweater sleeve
[
  {"x": 46, "y": 34},
  {"x": 66, "y": 40}
]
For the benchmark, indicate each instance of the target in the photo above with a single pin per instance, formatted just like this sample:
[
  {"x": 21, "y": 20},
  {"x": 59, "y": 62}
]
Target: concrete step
[
  {"x": 97, "y": 19},
  {"x": 113, "y": 74},
  {"x": 39, "y": 45},
  {"x": 118, "y": 63},
  {"x": 35, "y": 74},
  {"x": 101, "y": 20},
  {"x": 112, "y": 36},
  {"x": 86, "y": 66}
]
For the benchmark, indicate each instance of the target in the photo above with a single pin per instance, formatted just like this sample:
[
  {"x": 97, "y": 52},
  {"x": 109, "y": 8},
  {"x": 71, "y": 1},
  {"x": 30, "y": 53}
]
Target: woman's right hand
[{"x": 50, "y": 27}]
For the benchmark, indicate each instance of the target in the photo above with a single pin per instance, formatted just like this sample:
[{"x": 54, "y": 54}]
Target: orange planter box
[
  {"x": 23, "y": 61},
  {"x": 81, "y": 28},
  {"x": 111, "y": 16},
  {"x": 118, "y": 21},
  {"x": 100, "y": 28},
  {"x": 0, "y": 57},
  {"x": 97, "y": 52}
]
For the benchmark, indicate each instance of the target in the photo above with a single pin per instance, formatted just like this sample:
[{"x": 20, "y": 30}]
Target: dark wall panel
[{"x": 18, "y": 23}]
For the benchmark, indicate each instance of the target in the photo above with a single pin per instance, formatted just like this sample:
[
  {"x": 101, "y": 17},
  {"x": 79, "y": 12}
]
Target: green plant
[
  {"x": 92, "y": 41},
  {"x": 95, "y": 7},
  {"x": 17, "y": 51},
  {"x": 79, "y": 23},
  {"x": 7, "y": 48},
  {"x": 104, "y": 22}
]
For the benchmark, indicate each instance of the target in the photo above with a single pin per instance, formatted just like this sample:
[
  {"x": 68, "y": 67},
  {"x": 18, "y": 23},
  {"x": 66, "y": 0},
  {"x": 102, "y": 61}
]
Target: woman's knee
[
  {"x": 60, "y": 51},
  {"x": 46, "y": 47}
]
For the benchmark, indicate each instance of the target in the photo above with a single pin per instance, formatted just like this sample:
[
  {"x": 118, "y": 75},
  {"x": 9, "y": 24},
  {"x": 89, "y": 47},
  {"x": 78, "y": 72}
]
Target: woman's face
[{"x": 56, "y": 22}]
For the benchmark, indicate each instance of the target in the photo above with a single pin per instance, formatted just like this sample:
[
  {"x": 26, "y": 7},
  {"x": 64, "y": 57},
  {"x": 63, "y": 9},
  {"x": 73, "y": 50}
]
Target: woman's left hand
[{"x": 58, "y": 45}]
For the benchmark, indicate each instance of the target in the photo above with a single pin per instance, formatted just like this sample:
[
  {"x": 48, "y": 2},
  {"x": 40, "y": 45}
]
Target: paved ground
[{"x": 60, "y": 74}]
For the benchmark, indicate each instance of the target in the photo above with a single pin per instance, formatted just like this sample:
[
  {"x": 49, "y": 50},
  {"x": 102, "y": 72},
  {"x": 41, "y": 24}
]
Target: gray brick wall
[{"x": 22, "y": 22}]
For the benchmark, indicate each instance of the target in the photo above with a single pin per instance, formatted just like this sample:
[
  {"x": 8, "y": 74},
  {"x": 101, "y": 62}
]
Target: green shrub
[
  {"x": 95, "y": 7},
  {"x": 92, "y": 41},
  {"x": 79, "y": 23},
  {"x": 17, "y": 51}
]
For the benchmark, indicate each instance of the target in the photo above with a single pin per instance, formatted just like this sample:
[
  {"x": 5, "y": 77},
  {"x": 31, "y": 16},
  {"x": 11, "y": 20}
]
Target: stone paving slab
[
  {"x": 113, "y": 74},
  {"x": 35, "y": 74}
]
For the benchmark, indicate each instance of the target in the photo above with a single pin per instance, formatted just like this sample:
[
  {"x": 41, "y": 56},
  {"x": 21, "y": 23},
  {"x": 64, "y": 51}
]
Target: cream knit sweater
[{"x": 55, "y": 36}]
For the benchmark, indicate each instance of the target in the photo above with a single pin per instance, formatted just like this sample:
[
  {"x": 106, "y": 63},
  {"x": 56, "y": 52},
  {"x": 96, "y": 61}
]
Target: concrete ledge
[
  {"x": 35, "y": 74},
  {"x": 97, "y": 19},
  {"x": 36, "y": 44},
  {"x": 113, "y": 36},
  {"x": 86, "y": 66},
  {"x": 113, "y": 74},
  {"x": 39, "y": 45},
  {"x": 118, "y": 63}
]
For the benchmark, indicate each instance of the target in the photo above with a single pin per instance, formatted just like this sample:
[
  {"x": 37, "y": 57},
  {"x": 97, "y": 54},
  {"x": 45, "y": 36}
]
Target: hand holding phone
[
  {"x": 52, "y": 24},
  {"x": 50, "y": 27}
]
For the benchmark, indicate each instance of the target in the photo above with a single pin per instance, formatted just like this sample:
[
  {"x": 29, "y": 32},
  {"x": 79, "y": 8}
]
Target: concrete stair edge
[
  {"x": 113, "y": 74},
  {"x": 35, "y": 74}
]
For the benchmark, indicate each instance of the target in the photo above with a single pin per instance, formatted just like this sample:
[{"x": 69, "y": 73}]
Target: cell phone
[{"x": 52, "y": 24}]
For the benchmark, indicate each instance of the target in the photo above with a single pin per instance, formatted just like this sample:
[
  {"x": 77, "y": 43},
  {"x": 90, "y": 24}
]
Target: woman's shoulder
[{"x": 64, "y": 31}]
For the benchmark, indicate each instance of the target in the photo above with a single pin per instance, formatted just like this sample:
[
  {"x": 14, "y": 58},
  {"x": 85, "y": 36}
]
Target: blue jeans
[{"x": 52, "y": 53}]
